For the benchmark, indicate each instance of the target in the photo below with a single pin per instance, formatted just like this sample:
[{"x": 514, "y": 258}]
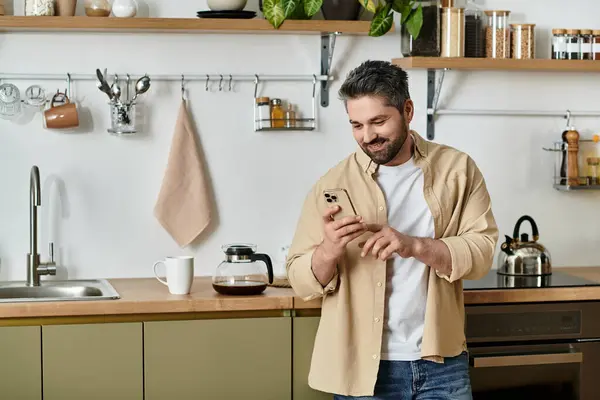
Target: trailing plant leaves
[
  {"x": 274, "y": 12},
  {"x": 369, "y": 5},
  {"x": 403, "y": 7},
  {"x": 311, "y": 7},
  {"x": 415, "y": 22},
  {"x": 289, "y": 6},
  {"x": 382, "y": 21}
]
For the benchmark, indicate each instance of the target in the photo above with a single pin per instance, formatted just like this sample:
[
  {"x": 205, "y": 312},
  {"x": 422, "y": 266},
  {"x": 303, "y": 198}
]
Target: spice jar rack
[
  {"x": 265, "y": 119},
  {"x": 585, "y": 167}
]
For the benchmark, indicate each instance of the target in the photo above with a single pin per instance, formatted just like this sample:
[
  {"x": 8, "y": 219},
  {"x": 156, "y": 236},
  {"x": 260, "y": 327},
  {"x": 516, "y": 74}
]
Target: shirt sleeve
[
  {"x": 472, "y": 249},
  {"x": 307, "y": 237}
]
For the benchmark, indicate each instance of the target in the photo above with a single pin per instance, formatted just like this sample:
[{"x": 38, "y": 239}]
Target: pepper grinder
[{"x": 572, "y": 137}]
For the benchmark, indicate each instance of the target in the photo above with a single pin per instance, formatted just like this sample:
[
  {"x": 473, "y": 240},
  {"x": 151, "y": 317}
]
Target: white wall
[{"x": 106, "y": 186}]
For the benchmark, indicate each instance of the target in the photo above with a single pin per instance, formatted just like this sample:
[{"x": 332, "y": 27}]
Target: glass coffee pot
[{"x": 243, "y": 271}]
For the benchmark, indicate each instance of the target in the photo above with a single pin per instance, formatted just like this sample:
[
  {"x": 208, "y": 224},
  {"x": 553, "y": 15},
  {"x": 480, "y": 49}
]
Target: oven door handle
[{"x": 525, "y": 359}]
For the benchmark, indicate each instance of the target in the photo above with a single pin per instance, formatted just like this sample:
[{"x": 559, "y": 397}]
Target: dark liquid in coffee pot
[{"x": 240, "y": 288}]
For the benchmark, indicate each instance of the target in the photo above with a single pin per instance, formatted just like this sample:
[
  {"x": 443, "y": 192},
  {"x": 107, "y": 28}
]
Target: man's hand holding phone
[
  {"x": 336, "y": 236},
  {"x": 338, "y": 233}
]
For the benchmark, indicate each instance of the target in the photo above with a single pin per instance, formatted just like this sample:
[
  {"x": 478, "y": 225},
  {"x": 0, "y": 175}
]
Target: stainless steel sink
[{"x": 72, "y": 290}]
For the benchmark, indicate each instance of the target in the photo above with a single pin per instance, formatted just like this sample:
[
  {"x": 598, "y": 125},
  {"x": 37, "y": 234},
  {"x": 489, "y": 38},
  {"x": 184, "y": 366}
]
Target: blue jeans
[{"x": 422, "y": 380}]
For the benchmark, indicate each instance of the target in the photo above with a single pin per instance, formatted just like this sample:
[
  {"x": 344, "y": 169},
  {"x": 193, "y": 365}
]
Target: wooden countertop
[
  {"x": 141, "y": 296},
  {"x": 533, "y": 295},
  {"x": 148, "y": 296},
  {"x": 537, "y": 295}
]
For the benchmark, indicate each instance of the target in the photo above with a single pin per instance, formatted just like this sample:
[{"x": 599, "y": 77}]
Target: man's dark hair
[{"x": 377, "y": 78}]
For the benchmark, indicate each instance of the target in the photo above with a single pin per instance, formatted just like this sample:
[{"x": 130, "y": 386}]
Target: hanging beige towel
[{"x": 183, "y": 206}]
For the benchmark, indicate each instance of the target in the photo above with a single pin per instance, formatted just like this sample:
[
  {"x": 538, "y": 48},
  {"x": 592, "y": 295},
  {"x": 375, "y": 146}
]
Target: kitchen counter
[
  {"x": 146, "y": 296},
  {"x": 530, "y": 295}
]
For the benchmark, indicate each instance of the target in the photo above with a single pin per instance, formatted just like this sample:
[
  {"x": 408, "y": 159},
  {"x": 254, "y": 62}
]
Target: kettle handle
[
  {"x": 267, "y": 260},
  {"x": 534, "y": 228}
]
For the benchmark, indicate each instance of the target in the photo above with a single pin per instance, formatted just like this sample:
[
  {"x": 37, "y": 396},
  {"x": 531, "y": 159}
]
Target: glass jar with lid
[
  {"x": 453, "y": 32},
  {"x": 596, "y": 44},
  {"x": 497, "y": 34},
  {"x": 573, "y": 44},
  {"x": 39, "y": 8},
  {"x": 474, "y": 30},
  {"x": 277, "y": 114},
  {"x": 559, "y": 44},
  {"x": 586, "y": 38},
  {"x": 427, "y": 44},
  {"x": 593, "y": 163},
  {"x": 263, "y": 113},
  {"x": 523, "y": 41},
  {"x": 97, "y": 8}
]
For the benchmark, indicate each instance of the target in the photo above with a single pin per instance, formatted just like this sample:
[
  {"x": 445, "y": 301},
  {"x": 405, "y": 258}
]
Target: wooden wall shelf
[
  {"x": 489, "y": 64},
  {"x": 441, "y": 64},
  {"x": 178, "y": 25}
]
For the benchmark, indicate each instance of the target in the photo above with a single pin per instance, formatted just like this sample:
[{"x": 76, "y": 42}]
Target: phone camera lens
[
  {"x": 329, "y": 200},
  {"x": 334, "y": 197},
  {"x": 326, "y": 194}
]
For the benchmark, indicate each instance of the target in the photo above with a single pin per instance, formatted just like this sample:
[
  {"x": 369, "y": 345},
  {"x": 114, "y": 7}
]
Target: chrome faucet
[{"x": 34, "y": 267}]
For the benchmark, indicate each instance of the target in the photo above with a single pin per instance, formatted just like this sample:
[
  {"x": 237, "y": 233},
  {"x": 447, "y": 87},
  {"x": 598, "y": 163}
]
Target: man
[{"x": 392, "y": 320}]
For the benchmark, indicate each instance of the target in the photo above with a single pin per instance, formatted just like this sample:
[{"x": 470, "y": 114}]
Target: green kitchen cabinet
[
  {"x": 20, "y": 363},
  {"x": 93, "y": 361},
  {"x": 220, "y": 359},
  {"x": 304, "y": 331}
]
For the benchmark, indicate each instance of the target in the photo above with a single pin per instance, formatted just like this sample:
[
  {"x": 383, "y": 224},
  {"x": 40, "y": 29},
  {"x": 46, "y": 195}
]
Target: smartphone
[{"x": 339, "y": 197}]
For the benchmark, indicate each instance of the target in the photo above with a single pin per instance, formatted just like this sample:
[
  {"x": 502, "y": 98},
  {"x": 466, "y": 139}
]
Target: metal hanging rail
[
  {"x": 327, "y": 47},
  {"x": 523, "y": 113},
  {"x": 434, "y": 89},
  {"x": 174, "y": 77}
]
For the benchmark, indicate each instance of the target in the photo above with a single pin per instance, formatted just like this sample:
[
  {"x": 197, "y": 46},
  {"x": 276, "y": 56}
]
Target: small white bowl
[{"x": 226, "y": 5}]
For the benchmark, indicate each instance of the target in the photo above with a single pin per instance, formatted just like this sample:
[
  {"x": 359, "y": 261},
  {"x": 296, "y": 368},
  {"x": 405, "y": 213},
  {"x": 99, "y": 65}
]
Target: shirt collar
[{"x": 420, "y": 151}]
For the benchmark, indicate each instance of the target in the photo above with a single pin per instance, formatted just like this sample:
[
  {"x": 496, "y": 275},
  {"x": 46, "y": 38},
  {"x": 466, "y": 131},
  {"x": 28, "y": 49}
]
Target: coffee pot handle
[{"x": 267, "y": 260}]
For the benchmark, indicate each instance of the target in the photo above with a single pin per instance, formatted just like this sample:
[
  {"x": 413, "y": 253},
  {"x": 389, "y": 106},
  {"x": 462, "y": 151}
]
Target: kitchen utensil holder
[
  {"x": 301, "y": 124},
  {"x": 123, "y": 118},
  {"x": 562, "y": 182},
  {"x": 10, "y": 101}
]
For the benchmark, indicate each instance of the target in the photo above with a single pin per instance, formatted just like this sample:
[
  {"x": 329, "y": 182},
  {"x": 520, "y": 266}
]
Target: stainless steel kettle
[{"x": 522, "y": 257}]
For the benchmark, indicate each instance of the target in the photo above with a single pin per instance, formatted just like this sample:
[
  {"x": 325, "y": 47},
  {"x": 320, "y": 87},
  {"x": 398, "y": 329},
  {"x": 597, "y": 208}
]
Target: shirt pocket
[{"x": 451, "y": 199}]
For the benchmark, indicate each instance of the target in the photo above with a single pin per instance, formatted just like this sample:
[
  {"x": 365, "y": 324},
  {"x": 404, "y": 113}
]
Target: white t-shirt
[{"x": 406, "y": 289}]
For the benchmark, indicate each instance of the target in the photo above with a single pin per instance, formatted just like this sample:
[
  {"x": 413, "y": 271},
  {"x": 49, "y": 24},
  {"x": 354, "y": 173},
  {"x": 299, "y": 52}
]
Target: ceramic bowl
[{"x": 226, "y": 5}]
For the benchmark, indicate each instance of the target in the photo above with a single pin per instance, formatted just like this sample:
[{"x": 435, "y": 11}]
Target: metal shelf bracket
[
  {"x": 327, "y": 48},
  {"x": 434, "y": 90}
]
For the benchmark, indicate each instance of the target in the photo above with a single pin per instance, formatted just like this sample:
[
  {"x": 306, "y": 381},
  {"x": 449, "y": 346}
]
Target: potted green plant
[
  {"x": 411, "y": 11},
  {"x": 277, "y": 11}
]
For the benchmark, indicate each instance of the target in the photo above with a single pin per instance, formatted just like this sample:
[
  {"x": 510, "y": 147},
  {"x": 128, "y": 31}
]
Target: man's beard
[{"x": 386, "y": 149}]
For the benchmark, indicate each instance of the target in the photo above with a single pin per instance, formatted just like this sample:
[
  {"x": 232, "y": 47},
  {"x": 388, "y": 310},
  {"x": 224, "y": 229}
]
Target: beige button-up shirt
[{"x": 347, "y": 349}]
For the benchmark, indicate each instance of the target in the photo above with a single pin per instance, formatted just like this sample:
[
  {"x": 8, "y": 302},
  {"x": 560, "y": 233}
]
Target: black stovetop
[{"x": 557, "y": 279}]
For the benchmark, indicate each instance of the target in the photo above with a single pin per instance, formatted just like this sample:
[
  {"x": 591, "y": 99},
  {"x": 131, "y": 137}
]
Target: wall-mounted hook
[
  {"x": 68, "y": 91},
  {"x": 182, "y": 87},
  {"x": 255, "y": 86},
  {"x": 230, "y": 79},
  {"x": 314, "y": 86},
  {"x": 568, "y": 117},
  {"x": 221, "y": 83},
  {"x": 206, "y": 85}
]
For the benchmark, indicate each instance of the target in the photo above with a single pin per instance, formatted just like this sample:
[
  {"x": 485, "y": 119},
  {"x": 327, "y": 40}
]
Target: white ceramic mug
[{"x": 179, "y": 273}]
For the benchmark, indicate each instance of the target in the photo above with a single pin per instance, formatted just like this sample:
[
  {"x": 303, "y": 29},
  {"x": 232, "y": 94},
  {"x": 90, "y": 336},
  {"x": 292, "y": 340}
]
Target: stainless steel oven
[{"x": 549, "y": 351}]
